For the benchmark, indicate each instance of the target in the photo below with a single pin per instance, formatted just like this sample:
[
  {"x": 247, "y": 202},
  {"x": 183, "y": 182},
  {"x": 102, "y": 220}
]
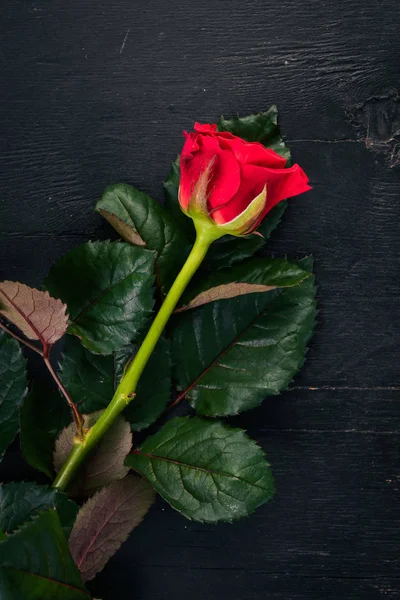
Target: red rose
[{"x": 222, "y": 175}]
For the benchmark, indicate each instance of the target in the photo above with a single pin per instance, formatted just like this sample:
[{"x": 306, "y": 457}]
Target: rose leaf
[
  {"x": 206, "y": 470},
  {"x": 43, "y": 414},
  {"x": 13, "y": 387},
  {"x": 36, "y": 564},
  {"x": 108, "y": 289},
  {"x": 92, "y": 380},
  {"x": 241, "y": 350},
  {"x": 140, "y": 220},
  {"x": 105, "y": 522},
  {"x": 24, "y": 500},
  {"x": 35, "y": 313}
]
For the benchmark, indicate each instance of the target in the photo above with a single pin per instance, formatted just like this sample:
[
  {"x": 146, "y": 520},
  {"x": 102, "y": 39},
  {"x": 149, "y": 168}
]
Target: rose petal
[
  {"x": 281, "y": 184},
  {"x": 253, "y": 153},
  {"x": 285, "y": 184},
  {"x": 205, "y": 128},
  {"x": 225, "y": 176}
]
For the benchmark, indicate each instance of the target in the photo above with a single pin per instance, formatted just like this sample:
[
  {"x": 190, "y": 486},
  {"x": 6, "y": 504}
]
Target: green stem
[{"x": 126, "y": 389}]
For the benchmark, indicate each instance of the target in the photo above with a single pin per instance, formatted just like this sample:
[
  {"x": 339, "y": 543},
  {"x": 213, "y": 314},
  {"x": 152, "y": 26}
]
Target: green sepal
[{"x": 245, "y": 222}]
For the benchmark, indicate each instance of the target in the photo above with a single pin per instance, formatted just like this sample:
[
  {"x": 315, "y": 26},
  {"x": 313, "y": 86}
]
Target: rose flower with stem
[{"x": 227, "y": 187}]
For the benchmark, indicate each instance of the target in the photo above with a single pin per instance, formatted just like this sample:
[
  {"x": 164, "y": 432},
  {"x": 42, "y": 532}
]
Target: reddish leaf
[
  {"x": 105, "y": 464},
  {"x": 35, "y": 313},
  {"x": 226, "y": 291},
  {"x": 105, "y": 522}
]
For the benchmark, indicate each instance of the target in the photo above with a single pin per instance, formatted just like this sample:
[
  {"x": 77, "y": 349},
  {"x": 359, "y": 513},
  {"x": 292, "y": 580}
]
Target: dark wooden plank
[
  {"x": 319, "y": 410},
  {"x": 145, "y": 583},
  {"x": 29, "y": 258},
  {"x": 244, "y": 53}
]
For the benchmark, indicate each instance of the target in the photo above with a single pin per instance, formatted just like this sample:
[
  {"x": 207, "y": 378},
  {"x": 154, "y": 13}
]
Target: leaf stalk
[{"x": 45, "y": 354}]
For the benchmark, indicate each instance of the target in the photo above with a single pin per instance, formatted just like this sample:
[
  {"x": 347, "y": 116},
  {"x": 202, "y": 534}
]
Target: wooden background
[{"x": 95, "y": 92}]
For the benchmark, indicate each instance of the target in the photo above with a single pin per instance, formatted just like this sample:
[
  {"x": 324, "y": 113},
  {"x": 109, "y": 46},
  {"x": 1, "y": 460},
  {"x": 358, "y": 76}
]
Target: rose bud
[{"x": 232, "y": 184}]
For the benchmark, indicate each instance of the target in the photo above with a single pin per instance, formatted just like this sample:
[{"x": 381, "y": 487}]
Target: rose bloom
[{"x": 237, "y": 172}]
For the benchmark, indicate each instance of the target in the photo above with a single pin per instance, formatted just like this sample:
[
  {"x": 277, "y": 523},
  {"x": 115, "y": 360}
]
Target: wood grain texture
[
  {"x": 247, "y": 584},
  {"x": 97, "y": 92}
]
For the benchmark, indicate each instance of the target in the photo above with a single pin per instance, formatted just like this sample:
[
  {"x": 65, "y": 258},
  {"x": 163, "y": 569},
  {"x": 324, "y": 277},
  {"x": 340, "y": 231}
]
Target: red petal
[
  {"x": 253, "y": 153},
  {"x": 225, "y": 178},
  {"x": 205, "y": 128},
  {"x": 285, "y": 184},
  {"x": 281, "y": 184}
]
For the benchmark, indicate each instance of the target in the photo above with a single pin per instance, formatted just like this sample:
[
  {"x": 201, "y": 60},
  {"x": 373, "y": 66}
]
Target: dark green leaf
[
  {"x": 92, "y": 380},
  {"x": 262, "y": 127},
  {"x": 89, "y": 378},
  {"x": 108, "y": 290},
  {"x": 43, "y": 414},
  {"x": 105, "y": 464},
  {"x": 36, "y": 564},
  {"x": 141, "y": 220},
  {"x": 205, "y": 469},
  {"x": 272, "y": 220},
  {"x": 255, "y": 273},
  {"x": 23, "y": 500},
  {"x": 105, "y": 522},
  {"x": 12, "y": 388},
  {"x": 171, "y": 189},
  {"x": 238, "y": 351}
]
